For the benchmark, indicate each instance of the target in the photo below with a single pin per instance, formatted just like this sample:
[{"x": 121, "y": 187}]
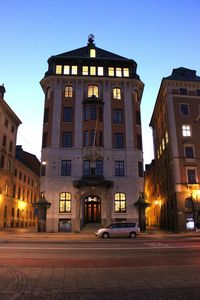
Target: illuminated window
[
  {"x": 85, "y": 70},
  {"x": 186, "y": 130},
  {"x": 166, "y": 137},
  {"x": 58, "y": 69},
  {"x": 68, "y": 91},
  {"x": 92, "y": 53},
  {"x": 126, "y": 72},
  {"x": 120, "y": 203},
  {"x": 111, "y": 71},
  {"x": 116, "y": 93},
  {"x": 93, "y": 90},
  {"x": 100, "y": 71},
  {"x": 74, "y": 70},
  {"x": 92, "y": 71},
  {"x": 66, "y": 70},
  {"x": 119, "y": 72},
  {"x": 65, "y": 202},
  {"x": 163, "y": 144}
]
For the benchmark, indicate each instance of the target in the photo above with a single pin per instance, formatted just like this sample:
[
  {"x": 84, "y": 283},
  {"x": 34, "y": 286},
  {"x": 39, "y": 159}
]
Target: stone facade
[{"x": 92, "y": 145}]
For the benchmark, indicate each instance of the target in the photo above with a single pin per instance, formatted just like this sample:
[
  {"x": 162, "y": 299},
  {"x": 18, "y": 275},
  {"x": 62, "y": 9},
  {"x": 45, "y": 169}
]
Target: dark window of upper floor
[
  {"x": 183, "y": 91},
  {"x": 67, "y": 114},
  {"x": 139, "y": 141},
  {"x": 4, "y": 140},
  {"x": 117, "y": 116},
  {"x": 67, "y": 139},
  {"x": 44, "y": 140},
  {"x": 65, "y": 167},
  {"x": 140, "y": 169},
  {"x": 189, "y": 151},
  {"x": 119, "y": 168},
  {"x": 46, "y": 115},
  {"x": 118, "y": 140},
  {"x": 137, "y": 117},
  {"x": 184, "y": 109}
]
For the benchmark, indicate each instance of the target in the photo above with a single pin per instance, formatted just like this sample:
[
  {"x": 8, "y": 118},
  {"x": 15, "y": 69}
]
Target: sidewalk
[{"x": 24, "y": 234}]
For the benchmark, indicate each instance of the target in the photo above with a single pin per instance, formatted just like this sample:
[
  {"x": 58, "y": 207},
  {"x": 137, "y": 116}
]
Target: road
[{"x": 100, "y": 269}]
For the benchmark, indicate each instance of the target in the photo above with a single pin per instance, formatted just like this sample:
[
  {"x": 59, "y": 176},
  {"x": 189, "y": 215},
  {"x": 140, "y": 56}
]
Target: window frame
[
  {"x": 120, "y": 202},
  {"x": 66, "y": 202},
  {"x": 186, "y": 130},
  {"x": 116, "y": 93},
  {"x": 66, "y": 167},
  {"x": 119, "y": 168},
  {"x": 68, "y": 92},
  {"x": 182, "y": 110}
]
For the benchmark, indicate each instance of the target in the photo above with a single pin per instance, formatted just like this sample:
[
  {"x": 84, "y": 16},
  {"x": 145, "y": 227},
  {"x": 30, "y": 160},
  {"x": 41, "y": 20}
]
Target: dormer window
[
  {"x": 126, "y": 72},
  {"x": 111, "y": 71},
  {"x": 117, "y": 93},
  {"x": 100, "y": 71},
  {"x": 92, "y": 53},
  {"x": 66, "y": 70},
  {"x": 92, "y": 71},
  {"x": 119, "y": 72},
  {"x": 93, "y": 90},
  {"x": 58, "y": 69},
  {"x": 74, "y": 70},
  {"x": 85, "y": 70}
]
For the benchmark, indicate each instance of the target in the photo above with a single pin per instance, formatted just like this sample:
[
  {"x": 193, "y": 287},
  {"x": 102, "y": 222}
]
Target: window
[
  {"x": 92, "y": 71},
  {"x": 4, "y": 140},
  {"x": 99, "y": 168},
  {"x": 119, "y": 168},
  {"x": 67, "y": 139},
  {"x": 191, "y": 176},
  {"x": 44, "y": 140},
  {"x": 86, "y": 168},
  {"x": 86, "y": 113},
  {"x": 189, "y": 151},
  {"x": 183, "y": 91},
  {"x": 120, "y": 203},
  {"x": 119, "y": 72},
  {"x": 117, "y": 116},
  {"x": 6, "y": 123},
  {"x": 93, "y": 112},
  {"x": 137, "y": 117},
  {"x": 74, "y": 70},
  {"x": 92, "y": 53},
  {"x": 12, "y": 129},
  {"x": 100, "y": 71},
  {"x": 65, "y": 167},
  {"x": 116, "y": 93},
  {"x": 58, "y": 69},
  {"x": 92, "y": 137},
  {"x": 140, "y": 169},
  {"x": 86, "y": 141},
  {"x": 66, "y": 70},
  {"x": 2, "y": 162},
  {"x": 85, "y": 70},
  {"x": 184, "y": 109},
  {"x": 68, "y": 92},
  {"x": 67, "y": 114},
  {"x": 139, "y": 141},
  {"x": 198, "y": 92},
  {"x": 46, "y": 115},
  {"x": 65, "y": 203},
  {"x": 93, "y": 90},
  {"x": 166, "y": 138},
  {"x": 111, "y": 71},
  {"x": 186, "y": 130},
  {"x": 11, "y": 146},
  {"x": 126, "y": 72},
  {"x": 48, "y": 92},
  {"x": 118, "y": 140}
]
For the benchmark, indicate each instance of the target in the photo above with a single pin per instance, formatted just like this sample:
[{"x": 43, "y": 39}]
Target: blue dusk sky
[{"x": 158, "y": 34}]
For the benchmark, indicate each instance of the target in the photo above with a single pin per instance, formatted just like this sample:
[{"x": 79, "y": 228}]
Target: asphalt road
[{"x": 100, "y": 269}]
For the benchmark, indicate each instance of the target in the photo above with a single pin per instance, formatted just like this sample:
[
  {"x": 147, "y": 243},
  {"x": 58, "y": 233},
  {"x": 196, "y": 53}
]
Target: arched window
[
  {"x": 68, "y": 91},
  {"x": 93, "y": 90},
  {"x": 65, "y": 202},
  {"x": 120, "y": 203},
  {"x": 117, "y": 93}
]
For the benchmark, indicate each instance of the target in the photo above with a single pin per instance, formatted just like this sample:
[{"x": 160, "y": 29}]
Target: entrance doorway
[{"x": 92, "y": 209}]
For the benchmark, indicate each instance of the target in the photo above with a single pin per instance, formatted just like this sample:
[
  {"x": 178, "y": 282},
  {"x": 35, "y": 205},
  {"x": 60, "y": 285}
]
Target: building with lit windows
[
  {"x": 92, "y": 160},
  {"x": 172, "y": 182},
  {"x": 19, "y": 173}
]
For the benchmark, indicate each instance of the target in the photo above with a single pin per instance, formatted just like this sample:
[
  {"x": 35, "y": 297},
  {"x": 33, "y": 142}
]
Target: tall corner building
[
  {"x": 175, "y": 173},
  {"x": 92, "y": 159}
]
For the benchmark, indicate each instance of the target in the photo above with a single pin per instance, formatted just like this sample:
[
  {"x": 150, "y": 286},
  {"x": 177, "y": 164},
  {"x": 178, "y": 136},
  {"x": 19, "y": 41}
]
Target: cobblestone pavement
[{"x": 141, "y": 283}]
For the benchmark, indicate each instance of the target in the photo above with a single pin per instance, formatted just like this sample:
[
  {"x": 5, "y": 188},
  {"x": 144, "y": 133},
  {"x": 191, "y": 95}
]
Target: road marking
[
  {"x": 153, "y": 247},
  {"x": 157, "y": 244}
]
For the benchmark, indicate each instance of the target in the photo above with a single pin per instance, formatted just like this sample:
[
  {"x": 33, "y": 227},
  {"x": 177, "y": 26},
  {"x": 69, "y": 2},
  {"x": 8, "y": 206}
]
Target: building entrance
[{"x": 92, "y": 209}]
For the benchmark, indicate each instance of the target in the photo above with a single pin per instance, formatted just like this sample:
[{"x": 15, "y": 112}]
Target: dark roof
[
  {"x": 183, "y": 74},
  {"x": 28, "y": 159},
  {"x": 83, "y": 53}
]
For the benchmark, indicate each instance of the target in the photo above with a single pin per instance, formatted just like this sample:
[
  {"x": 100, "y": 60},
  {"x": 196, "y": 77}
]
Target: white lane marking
[{"x": 157, "y": 244}]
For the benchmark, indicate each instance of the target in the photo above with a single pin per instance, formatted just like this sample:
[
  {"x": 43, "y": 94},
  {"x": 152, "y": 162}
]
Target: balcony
[{"x": 93, "y": 181}]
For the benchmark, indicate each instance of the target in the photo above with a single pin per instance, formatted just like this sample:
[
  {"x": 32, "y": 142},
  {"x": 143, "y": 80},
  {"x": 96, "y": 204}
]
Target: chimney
[{"x": 2, "y": 91}]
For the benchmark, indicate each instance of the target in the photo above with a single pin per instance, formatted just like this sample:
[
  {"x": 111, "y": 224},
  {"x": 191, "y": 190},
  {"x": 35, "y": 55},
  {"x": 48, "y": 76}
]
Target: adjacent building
[
  {"x": 19, "y": 179},
  {"x": 92, "y": 160},
  {"x": 172, "y": 182}
]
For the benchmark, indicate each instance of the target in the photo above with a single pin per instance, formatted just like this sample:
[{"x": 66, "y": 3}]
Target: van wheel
[
  {"x": 105, "y": 235},
  {"x": 132, "y": 235}
]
